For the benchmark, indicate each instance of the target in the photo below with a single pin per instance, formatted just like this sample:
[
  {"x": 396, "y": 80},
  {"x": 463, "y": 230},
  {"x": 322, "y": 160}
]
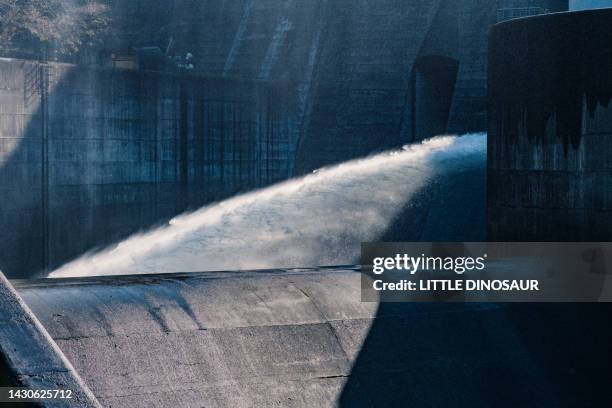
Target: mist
[{"x": 319, "y": 219}]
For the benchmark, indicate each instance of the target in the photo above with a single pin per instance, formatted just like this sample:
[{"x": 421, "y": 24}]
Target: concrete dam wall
[
  {"x": 90, "y": 156},
  {"x": 285, "y": 338},
  {"x": 282, "y": 337},
  {"x": 354, "y": 65},
  {"x": 550, "y": 128},
  {"x": 303, "y": 338}
]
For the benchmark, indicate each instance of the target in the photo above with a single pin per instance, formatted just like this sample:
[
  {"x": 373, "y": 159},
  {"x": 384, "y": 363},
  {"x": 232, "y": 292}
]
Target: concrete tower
[{"x": 550, "y": 128}]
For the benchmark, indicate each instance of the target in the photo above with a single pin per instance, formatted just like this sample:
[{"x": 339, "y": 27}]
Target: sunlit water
[{"x": 319, "y": 219}]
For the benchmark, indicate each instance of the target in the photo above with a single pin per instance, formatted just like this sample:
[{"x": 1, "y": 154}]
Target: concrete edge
[
  {"x": 32, "y": 357},
  {"x": 177, "y": 276}
]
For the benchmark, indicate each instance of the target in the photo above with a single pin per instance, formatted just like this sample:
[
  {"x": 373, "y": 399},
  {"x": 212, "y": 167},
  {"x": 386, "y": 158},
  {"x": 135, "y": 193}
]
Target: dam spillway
[
  {"x": 90, "y": 156},
  {"x": 107, "y": 143},
  {"x": 294, "y": 338},
  {"x": 303, "y": 338},
  {"x": 279, "y": 89},
  {"x": 318, "y": 219}
]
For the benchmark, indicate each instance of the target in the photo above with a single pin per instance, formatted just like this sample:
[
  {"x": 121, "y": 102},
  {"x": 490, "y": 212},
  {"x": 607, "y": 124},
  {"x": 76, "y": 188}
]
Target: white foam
[{"x": 319, "y": 219}]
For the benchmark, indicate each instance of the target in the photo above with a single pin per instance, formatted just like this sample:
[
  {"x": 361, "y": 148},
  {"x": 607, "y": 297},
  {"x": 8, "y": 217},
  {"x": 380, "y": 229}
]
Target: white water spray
[{"x": 319, "y": 219}]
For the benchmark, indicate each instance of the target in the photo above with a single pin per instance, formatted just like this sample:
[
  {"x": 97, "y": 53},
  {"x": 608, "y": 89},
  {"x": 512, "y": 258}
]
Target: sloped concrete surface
[
  {"x": 254, "y": 339},
  {"x": 30, "y": 358},
  {"x": 291, "y": 338}
]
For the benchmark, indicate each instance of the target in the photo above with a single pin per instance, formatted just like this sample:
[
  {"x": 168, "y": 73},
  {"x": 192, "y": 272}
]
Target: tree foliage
[{"x": 66, "y": 26}]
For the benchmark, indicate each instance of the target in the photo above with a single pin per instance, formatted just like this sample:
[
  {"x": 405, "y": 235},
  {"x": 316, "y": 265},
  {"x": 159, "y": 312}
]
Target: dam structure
[
  {"x": 147, "y": 145},
  {"x": 292, "y": 337},
  {"x": 289, "y": 337},
  {"x": 90, "y": 156},
  {"x": 92, "y": 153},
  {"x": 548, "y": 167},
  {"x": 125, "y": 139},
  {"x": 550, "y": 128}
]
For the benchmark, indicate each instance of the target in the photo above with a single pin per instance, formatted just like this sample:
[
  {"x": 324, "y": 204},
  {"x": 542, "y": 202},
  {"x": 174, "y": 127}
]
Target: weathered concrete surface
[
  {"x": 30, "y": 358},
  {"x": 549, "y": 142},
  {"x": 350, "y": 62},
  {"x": 550, "y": 128},
  {"x": 96, "y": 155},
  {"x": 107, "y": 153},
  {"x": 253, "y": 339},
  {"x": 302, "y": 338}
]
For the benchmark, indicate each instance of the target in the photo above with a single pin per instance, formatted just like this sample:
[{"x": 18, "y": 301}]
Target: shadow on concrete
[
  {"x": 55, "y": 204},
  {"x": 484, "y": 355},
  {"x": 89, "y": 157}
]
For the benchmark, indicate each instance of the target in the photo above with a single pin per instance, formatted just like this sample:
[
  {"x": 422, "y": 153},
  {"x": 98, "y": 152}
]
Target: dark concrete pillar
[
  {"x": 550, "y": 128},
  {"x": 434, "y": 86}
]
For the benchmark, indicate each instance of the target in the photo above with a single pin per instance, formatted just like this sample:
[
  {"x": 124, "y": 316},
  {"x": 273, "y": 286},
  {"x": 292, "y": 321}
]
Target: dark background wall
[{"x": 351, "y": 63}]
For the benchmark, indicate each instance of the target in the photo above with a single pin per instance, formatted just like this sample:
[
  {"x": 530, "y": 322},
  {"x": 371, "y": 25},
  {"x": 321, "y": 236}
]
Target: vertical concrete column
[{"x": 550, "y": 128}]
